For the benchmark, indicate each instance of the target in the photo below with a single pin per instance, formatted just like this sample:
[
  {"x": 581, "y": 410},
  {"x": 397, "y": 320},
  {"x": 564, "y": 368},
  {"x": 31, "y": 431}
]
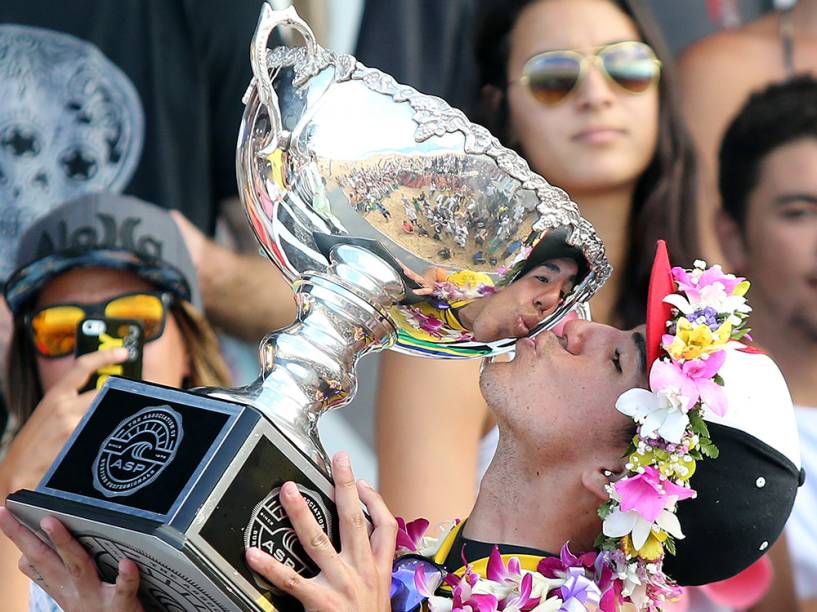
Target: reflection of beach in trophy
[
  {"x": 468, "y": 306},
  {"x": 465, "y": 206}
]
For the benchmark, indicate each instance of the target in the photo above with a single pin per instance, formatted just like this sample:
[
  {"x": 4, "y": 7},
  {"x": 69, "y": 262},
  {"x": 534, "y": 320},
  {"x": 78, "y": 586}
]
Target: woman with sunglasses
[
  {"x": 108, "y": 256},
  {"x": 585, "y": 91}
]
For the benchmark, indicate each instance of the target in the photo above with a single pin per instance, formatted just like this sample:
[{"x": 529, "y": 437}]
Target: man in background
[{"x": 768, "y": 231}]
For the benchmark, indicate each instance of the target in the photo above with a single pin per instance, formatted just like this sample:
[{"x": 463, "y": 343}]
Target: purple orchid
[
  {"x": 552, "y": 567},
  {"x": 498, "y": 572},
  {"x": 693, "y": 380},
  {"x": 648, "y": 494},
  {"x": 409, "y": 535}
]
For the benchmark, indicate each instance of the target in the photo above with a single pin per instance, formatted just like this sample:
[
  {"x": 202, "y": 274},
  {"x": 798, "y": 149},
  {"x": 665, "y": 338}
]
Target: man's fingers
[
  {"x": 314, "y": 540},
  {"x": 354, "y": 535},
  {"x": 84, "y": 365},
  {"x": 384, "y": 536},
  {"x": 74, "y": 557},
  {"x": 285, "y": 578},
  {"x": 127, "y": 585},
  {"x": 34, "y": 550}
]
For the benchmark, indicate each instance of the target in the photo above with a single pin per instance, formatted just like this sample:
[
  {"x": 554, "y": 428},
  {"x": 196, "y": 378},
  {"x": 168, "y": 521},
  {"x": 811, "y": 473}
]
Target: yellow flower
[
  {"x": 693, "y": 342},
  {"x": 652, "y": 550},
  {"x": 664, "y": 462},
  {"x": 741, "y": 288}
]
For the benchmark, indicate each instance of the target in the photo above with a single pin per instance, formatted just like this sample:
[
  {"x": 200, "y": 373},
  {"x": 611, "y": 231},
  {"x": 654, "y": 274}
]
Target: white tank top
[
  {"x": 801, "y": 530},
  {"x": 485, "y": 452}
]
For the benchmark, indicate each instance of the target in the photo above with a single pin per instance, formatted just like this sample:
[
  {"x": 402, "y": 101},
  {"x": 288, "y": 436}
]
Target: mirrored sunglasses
[
  {"x": 553, "y": 75},
  {"x": 53, "y": 328}
]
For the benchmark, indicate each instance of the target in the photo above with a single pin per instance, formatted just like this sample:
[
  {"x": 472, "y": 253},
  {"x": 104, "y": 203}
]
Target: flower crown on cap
[{"x": 698, "y": 315}]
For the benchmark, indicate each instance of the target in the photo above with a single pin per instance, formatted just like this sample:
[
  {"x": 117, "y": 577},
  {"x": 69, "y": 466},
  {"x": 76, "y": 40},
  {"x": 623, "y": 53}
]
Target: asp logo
[
  {"x": 270, "y": 530},
  {"x": 137, "y": 451}
]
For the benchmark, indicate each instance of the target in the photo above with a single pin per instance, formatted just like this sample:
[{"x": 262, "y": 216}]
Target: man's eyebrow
[
  {"x": 791, "y": 198},
  {"x": 641, "y": 345},
  {"x": 553, "y": 267}
]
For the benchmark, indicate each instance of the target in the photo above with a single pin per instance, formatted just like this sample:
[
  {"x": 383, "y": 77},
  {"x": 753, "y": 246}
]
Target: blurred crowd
[{"x": 118, "y": 129}]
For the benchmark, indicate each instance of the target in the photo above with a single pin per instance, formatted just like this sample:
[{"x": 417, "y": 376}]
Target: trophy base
[{"x": 182, "y": 485}]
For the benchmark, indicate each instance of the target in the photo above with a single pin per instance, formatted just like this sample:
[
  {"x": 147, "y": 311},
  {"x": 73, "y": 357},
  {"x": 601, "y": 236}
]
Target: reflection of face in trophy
[{"x": 399, "y": 223}]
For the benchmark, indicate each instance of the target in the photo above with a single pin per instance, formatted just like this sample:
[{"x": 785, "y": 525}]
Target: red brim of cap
[{"x": 658, "y": 311}]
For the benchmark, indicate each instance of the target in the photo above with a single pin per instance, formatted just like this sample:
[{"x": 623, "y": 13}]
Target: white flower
[
  {"x": 432, "y": 540},
  {"x": 661, "y": 412},
  {"x": 554, "y": 604},
  {"x": 440, "y": 604},
  {"x": 619, "y": 523},
  {"x": 712, "y": 296},
  {"x": 542, "y": 586},
  {"x": 498, "y": 590}
]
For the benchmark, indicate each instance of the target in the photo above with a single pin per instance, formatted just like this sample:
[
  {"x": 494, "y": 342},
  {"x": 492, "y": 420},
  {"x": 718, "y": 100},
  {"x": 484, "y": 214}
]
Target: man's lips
[
  {"x": 544, "y": 341},
  {"x": 521, "y": 328}
]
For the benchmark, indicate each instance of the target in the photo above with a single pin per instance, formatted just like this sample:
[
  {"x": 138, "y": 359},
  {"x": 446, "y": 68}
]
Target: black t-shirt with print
[{"x": 141, "y": 97}]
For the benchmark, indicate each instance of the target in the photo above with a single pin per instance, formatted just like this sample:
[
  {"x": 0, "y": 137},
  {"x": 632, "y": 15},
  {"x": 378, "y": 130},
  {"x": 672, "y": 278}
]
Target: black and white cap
[
  {"x": 745, "y": 495},
  {"x": 103, "y": 230}
]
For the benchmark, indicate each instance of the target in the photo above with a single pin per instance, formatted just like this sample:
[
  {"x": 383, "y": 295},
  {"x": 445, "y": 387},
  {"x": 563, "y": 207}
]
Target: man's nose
[
  {"x": 594, "y": 90},
  {"x": 577, "y": 333}
]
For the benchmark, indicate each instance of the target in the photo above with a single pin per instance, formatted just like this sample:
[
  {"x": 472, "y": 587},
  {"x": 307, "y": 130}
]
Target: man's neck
[
  {"x": 532, "y": 507},
  {"x": 609, "y": 212},
  {"x": 793, "y": 351}
]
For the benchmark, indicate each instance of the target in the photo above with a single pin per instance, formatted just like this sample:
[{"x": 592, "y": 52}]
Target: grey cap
[{"x": 103, "y": 230}]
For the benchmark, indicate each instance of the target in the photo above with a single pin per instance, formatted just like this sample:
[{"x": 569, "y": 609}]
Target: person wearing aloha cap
[
  {"x": 565, "y": 518},
  {"x": 102, "y": 253}
]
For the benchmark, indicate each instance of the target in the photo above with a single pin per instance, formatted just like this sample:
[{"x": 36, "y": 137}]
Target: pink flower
[
  {"x": 648, "y": 495},
  {"x": 693, "y": 284},
  {"x": 409, "y": 535},
  {"x": 497, "y": 570},
  {"x": 464, "y": 598},
  {"x": 551, "y": 567},
  {"x": 692, "y": 380}
]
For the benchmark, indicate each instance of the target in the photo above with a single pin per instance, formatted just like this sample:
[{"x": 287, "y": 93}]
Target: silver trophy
[
  {"x": 400, "y": 225},
  {"x": 393, "y": 216}
]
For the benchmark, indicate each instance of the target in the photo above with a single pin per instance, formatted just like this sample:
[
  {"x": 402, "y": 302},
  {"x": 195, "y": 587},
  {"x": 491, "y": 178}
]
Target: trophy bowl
[{"x": 332, "y": 152}]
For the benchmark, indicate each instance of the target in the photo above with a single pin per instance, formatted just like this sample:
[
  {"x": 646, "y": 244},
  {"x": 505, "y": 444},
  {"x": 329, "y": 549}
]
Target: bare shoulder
[
  {"x": 731, "y": 51},
  {"x": 719, "y": 72}
]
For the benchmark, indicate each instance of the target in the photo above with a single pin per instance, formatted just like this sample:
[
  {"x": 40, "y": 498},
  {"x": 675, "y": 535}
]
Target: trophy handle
[{"x": 267, "y": 22}]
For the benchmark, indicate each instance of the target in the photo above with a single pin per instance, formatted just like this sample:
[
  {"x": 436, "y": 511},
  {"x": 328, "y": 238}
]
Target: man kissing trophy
[{"x": 400, "y": 225}]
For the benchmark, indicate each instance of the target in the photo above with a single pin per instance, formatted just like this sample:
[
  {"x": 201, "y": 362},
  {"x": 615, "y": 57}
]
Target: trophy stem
[{"x": 308, "y": 367}]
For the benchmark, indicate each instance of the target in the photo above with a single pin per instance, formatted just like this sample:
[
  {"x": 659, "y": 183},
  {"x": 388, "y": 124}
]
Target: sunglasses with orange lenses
[
  {"x": 54, "y": 328},
  {"x": 553, "y": 75}
]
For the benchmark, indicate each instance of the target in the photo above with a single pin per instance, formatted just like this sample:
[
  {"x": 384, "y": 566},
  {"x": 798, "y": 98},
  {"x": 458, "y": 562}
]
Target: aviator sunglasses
[
  {"x": 54, "y": 328},
  {"x": 551, "y": 76}
]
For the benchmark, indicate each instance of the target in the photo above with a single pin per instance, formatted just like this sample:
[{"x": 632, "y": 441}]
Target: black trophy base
[{"x": 182, "y": 485}]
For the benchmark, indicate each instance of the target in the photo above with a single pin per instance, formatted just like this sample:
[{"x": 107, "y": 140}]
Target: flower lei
[{"x": 709, "y": 312}]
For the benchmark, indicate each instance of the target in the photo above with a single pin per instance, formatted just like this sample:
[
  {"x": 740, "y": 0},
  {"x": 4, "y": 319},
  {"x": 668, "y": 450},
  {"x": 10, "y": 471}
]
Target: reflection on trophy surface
[{"x": 400, "y": 225}]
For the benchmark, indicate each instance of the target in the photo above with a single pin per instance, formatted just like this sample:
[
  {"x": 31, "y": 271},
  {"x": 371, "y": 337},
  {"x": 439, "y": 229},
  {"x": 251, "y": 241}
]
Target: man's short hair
[{"x": 778, "y": 115}]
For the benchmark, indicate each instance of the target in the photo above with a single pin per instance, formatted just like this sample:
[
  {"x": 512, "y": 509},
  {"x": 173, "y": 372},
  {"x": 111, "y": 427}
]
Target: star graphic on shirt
[{"x": 77, "y": 166}]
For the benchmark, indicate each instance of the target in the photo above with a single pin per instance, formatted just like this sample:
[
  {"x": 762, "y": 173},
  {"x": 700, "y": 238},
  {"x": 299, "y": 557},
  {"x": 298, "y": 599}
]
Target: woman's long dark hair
[{"x": 664, "y": 201}]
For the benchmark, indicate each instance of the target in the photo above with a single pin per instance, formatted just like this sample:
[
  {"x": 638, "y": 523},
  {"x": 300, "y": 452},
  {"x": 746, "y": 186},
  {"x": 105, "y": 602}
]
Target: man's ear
[
  {"x": 596, "y": 480},
  {"x": 731, "y": 241}
]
